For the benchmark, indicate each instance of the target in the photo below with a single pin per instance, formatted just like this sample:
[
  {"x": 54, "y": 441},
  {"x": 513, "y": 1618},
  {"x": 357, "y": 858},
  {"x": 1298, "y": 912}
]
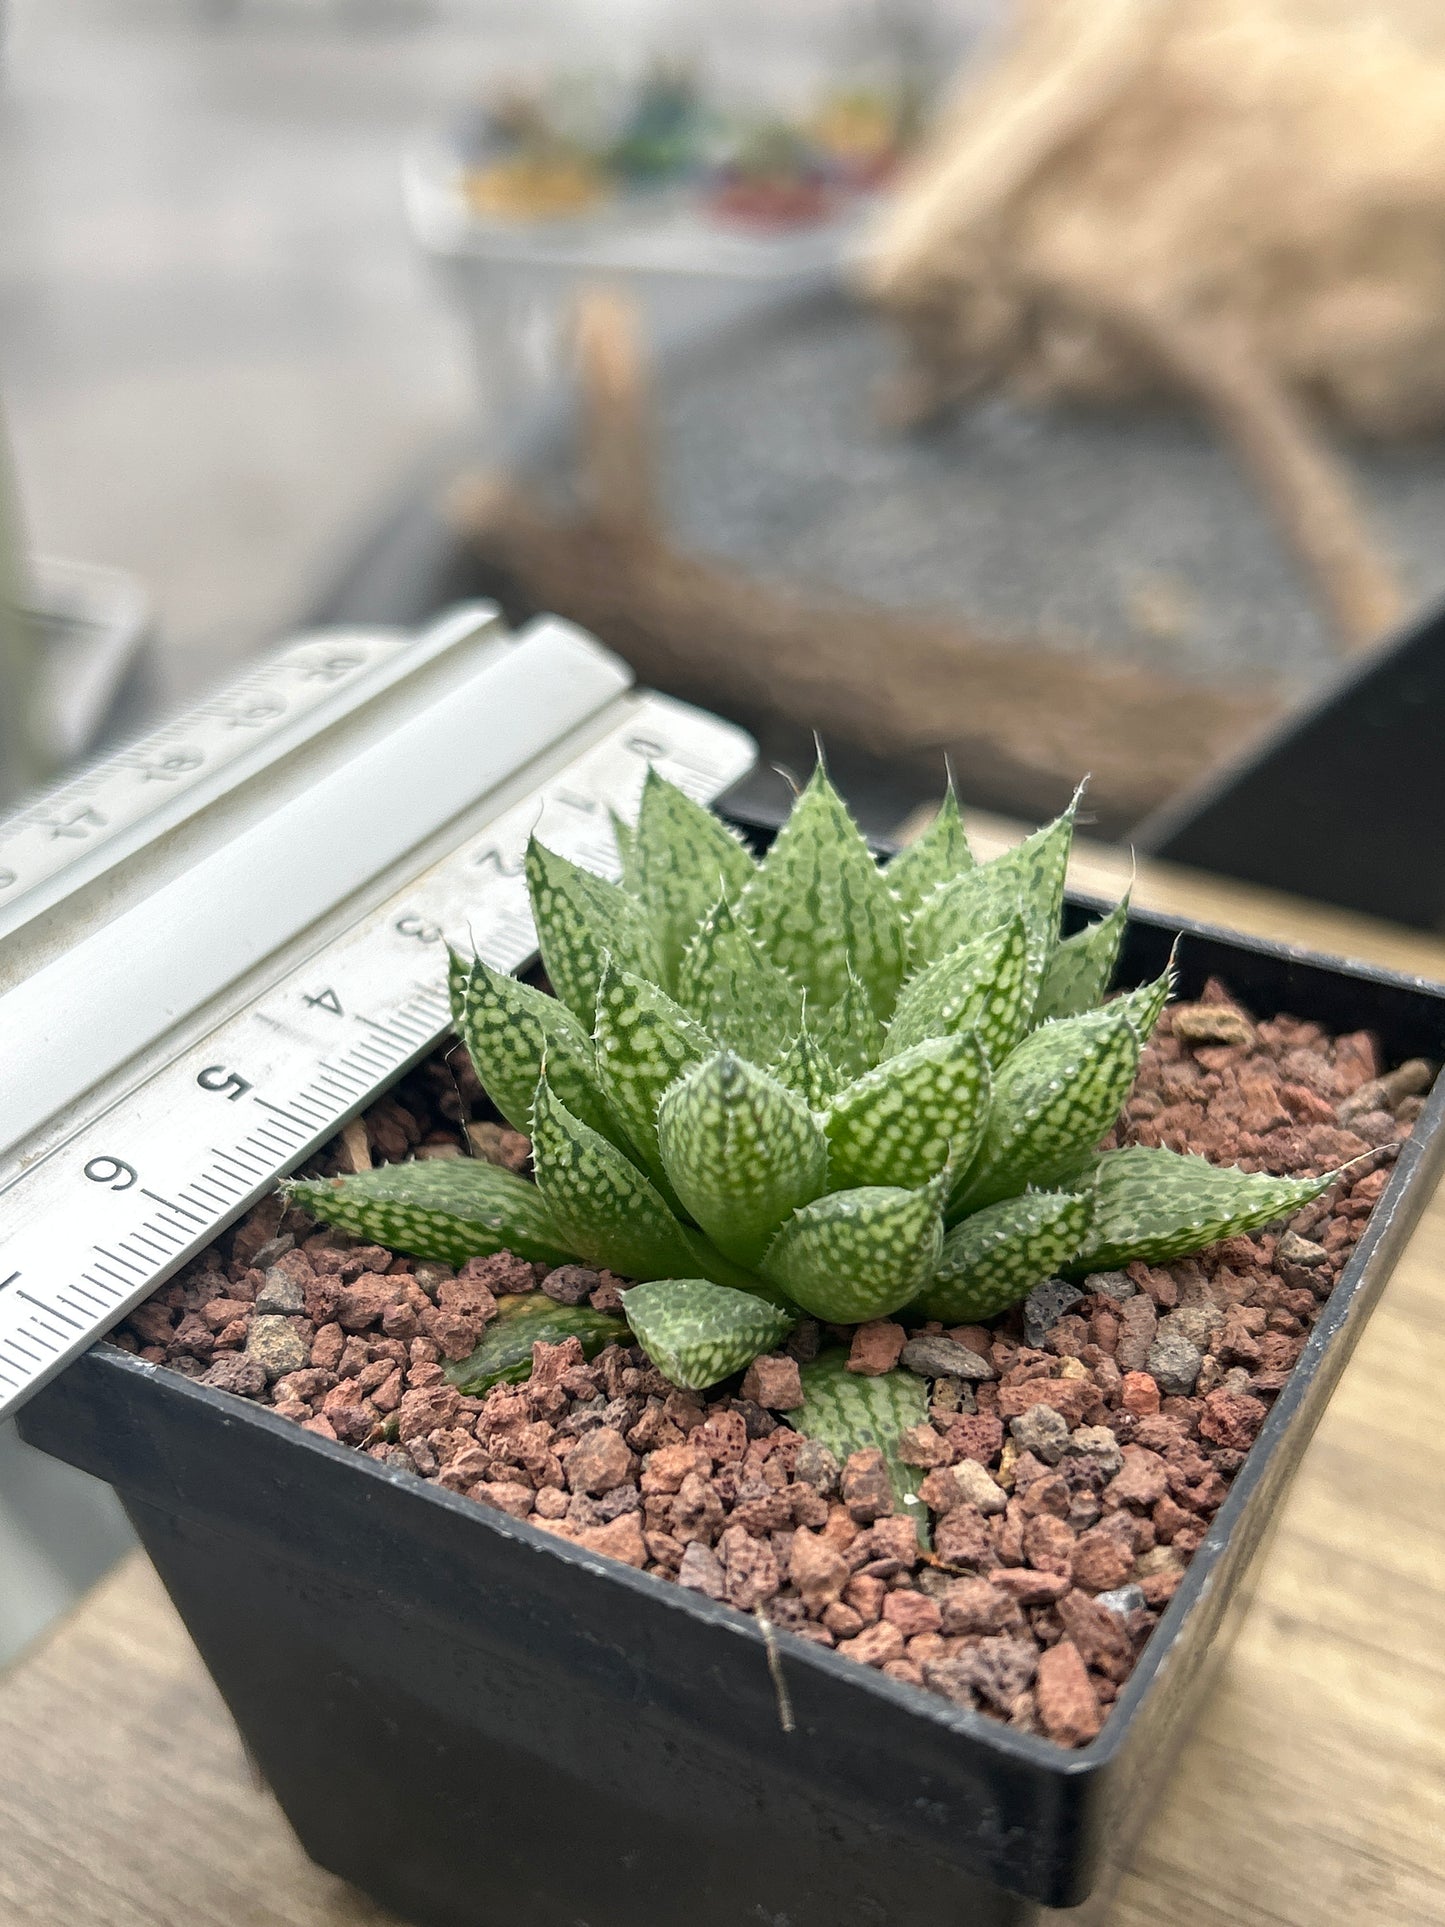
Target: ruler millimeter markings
[{"x": 93, "y": 1226}]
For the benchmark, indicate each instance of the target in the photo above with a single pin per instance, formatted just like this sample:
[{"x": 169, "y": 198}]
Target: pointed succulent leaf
[
  {"x": 1144, "y": 1005},
  {"x": 997, "y": 1256},
  {"x": 900, "y": 1122},
  {"x": 580, "y": 919},
  {"x": 1156, "y": 1205},
  {"x": 450, "y": 1209},
  {"x": 852, "y": 1412},
  {"x": 686, "y": 858},
  {"x": 982, "y": 987},
  {"x": 856, "y": 1255},
  {"x": 739, "y": 996},
  {"x": 696, "y": 1332},
  {"x": 741, "y": 1151},
  {"x": 644, "y": 1042},
  {"x": 525, "y": 1319},
  {"x": 605, "y": 1210},
  {"x": 1028, "y": 879},
  {"x": 850, "y": 1034},
  {"x": 1053, "y": 1099},
  {"x": 933, "y": 859},
  {"x": 808, "y": 1070},
  {"x": 624, "y": 834},
  {"x": 509, "y": 1029},
  {"x": 1078, "y": 973},
  {"x": 820, "y": 907}
]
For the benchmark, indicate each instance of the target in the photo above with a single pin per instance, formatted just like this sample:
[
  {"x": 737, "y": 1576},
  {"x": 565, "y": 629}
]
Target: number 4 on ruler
[{"x": 327, "y": 1000}]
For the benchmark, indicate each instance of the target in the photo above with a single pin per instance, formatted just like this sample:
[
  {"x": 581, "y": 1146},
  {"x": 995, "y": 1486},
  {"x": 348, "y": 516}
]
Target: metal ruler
[{"x": 221, "y": 943}]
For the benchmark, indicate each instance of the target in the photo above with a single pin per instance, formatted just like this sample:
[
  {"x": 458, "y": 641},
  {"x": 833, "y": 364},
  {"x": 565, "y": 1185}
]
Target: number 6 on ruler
[{"x": 114, "y": 1172}]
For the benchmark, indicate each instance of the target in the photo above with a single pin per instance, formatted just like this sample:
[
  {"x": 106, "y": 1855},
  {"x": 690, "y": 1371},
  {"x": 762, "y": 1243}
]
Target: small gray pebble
[
  {"x": 1117, "y": 1285},
  {"x": 1045, "y": 1306},
  {"x": 1236, "y": 1381},
  {"x": 1197, "y": 1323},
  {"x": 1042, "y": 1431},
  {"x": 1123, "y": 1600},
  {"x": 1174, "y": 1363},
  {"x": 1098, "y": 1444},
  {"x": 273, "y": 1249},
  {"x": 282, "y": 1294},
  {"x": 816, "y": 1466},
  {"x": 277, "y": 1346},
  {"x": 431, "y": 1276},
  {"x": 1295, "y": 1250},
  {"x": 570, "y": 1284},
  {"x": 938, "y": 1357}
]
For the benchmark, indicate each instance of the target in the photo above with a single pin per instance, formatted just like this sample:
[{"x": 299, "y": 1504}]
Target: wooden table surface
[{"x": 1312, "y": 1793}]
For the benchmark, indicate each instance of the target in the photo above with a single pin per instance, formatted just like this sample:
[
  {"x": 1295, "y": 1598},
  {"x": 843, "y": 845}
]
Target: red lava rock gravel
[{"x": 1069, "y": 1480}]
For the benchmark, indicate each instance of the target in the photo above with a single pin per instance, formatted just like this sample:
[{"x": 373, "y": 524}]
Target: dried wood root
[{"x": 1236, "y": 200}]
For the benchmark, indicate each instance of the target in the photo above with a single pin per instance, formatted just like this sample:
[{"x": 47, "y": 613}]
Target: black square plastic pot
[{"x": 485, "y": 1726}]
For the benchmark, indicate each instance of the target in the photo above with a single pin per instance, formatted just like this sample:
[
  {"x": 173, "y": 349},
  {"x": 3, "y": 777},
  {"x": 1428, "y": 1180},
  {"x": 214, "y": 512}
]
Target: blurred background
[{"x": 1055, "y": 384}]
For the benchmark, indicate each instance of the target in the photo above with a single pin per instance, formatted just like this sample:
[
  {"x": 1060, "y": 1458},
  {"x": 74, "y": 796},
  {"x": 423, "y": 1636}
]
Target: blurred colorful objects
[
  {"x": 774, "y": 178},
  {"x": 561, "y": 150}
]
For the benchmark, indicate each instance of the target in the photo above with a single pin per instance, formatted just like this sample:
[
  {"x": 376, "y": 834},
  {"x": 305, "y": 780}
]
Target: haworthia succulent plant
[
  {"x": 698, "y": 1332},
  {"x": 998, "y": 1255},
  {"x": 727, "y": 1117},
  {"x": 1053, "y": 1099},
  {"x": 682, "y": 859},
  {"x": 935, "y": 858},
  {"x": 644, "y": 1043},
  {"x": 806, "y": 1068},
  {"x": 861, "y": 1254},
  {"x": 982, "y": 986},
  {"x": 819, "y": 905},
  {"x": 601, "y": 1203},
  {"x": 510, "y": 1030},
  {"x": 1079, "y": 971},
  {"x": 850, "y": 1412},
  {"x": 735, "y": 990},
  {"x": 808, "y": 1085},
  {"x": 525, "y": 1319},
  {"x": 850, "y": 1033},
  {"x": 582, "y": 919},
  {"x": 450, "y": 1209},
  {"x": 901, "y": 1122},
  {"x": 1157, "y": 1205}
]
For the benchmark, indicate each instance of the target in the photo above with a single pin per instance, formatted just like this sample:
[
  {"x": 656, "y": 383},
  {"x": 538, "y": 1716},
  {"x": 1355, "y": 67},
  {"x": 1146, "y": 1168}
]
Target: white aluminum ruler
[{"x": 220, "y": 944}]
